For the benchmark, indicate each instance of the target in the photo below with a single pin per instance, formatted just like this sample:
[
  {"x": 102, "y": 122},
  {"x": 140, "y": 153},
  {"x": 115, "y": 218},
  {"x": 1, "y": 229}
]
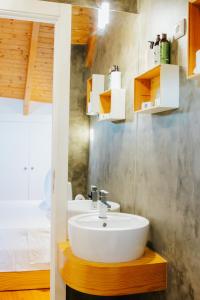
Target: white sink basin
[
  {"x": 77, "y": 207},
  {"x": 119, "y": 238}
]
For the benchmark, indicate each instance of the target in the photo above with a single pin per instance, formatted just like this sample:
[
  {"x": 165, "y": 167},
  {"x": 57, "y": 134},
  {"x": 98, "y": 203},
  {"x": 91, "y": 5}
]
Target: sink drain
[{"x": 104, "y": 224}]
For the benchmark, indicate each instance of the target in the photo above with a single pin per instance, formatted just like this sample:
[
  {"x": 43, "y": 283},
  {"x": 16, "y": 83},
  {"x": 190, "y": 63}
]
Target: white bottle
[
  {"x": 157, "y": 51},
  {"x": 115, "y": 80},
  {"x": 150, "y": 56}
]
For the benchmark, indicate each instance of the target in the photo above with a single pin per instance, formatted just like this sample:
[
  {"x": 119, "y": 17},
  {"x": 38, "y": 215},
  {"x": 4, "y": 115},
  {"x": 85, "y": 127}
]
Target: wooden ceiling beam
[
  {"x": 91, "y": 50},
  {"x": 31, "y": 62}
]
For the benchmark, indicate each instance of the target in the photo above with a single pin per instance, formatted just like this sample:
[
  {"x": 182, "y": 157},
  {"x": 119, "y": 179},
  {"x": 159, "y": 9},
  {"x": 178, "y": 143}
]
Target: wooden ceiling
[
  {"x": 24, "y": 72},
  {"x": 26, "y": 55}
]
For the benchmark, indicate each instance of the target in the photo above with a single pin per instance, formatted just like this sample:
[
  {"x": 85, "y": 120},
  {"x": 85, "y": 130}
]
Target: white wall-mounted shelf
[
  {"x": 159, "y": 85},
  {"x": 95, "y": 86},
  {"x": 112, "y": 105}
]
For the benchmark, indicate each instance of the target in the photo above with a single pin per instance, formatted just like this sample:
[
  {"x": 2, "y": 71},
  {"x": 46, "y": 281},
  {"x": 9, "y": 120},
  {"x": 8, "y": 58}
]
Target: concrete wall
[
  {"x": 79, "y": 123},
  {"x": 151, "y": 163}
]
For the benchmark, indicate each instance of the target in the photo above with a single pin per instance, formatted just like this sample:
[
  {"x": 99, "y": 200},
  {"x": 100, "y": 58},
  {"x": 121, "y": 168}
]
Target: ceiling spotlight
[{"x": 103, "y": 15}]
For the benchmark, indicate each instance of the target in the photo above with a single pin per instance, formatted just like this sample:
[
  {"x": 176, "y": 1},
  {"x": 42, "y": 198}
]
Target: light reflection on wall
[{"x": 91, "y": 135}]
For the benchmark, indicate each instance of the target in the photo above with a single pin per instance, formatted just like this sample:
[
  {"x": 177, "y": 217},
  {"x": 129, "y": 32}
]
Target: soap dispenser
[
  {"x": 114, "y": 78},
  {"x": 115, "y": 81}
]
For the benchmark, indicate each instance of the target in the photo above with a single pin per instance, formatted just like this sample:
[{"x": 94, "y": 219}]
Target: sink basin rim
[{"x": 72, "y": 221}]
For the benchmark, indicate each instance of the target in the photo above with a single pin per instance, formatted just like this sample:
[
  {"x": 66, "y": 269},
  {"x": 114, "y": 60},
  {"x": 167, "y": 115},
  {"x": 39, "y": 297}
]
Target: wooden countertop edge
[
  {"x": 110, "y": 293},
  {"x": 147, "y": 274}
]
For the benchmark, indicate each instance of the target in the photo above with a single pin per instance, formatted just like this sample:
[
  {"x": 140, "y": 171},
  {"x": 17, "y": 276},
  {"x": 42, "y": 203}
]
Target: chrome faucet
[
  {"x": 94, "y": 195},
  {"x": 104, "y": 205}
]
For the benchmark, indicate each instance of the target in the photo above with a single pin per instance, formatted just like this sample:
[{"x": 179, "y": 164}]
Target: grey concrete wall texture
[
  {"x": 151, "y": 163},
  {"x": 79, "y": 123}
]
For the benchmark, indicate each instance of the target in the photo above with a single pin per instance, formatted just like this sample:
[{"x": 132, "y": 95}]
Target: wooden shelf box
[
  {"x": 159, "y": 85},
  {"x": 193, "y": 36},
  {"x": 95, "y": 86},
  {"x": 112, "y": 105}
]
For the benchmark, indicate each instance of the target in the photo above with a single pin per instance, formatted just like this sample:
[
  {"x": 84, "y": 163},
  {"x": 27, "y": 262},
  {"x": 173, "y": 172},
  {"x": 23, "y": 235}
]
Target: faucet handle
[{"x": 103, "y": 195}]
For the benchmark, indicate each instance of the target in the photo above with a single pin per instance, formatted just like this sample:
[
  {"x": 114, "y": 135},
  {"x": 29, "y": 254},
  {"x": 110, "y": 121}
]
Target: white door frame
[{"x": 60, "y": 15}]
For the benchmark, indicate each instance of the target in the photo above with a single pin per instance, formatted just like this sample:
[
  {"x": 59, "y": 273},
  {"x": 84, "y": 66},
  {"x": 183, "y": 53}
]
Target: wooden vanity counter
[{"x": 147, "y": 274}]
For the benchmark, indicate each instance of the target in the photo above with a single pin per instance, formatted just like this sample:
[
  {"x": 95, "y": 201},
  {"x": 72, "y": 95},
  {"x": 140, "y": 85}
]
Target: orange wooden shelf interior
[
  {"x": 195, "y": 2},
  {"x": 193, "y": 35},
  {"x": 146, "y": 87},
  {"x": 105, "y": 102},
  {"x": 89, "y": 89},
  {"x": 147, "y": 274}
]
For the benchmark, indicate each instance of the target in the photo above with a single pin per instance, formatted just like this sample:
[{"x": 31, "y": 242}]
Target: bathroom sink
[
  {"x": 118, "y": 238},
  {"x": 77, "y": 207}
]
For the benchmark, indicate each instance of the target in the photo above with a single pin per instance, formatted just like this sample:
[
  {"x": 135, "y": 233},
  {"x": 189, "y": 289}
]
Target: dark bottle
[
  {"x": 157, "y": 40},
  {"x": 164, "y": 50}
]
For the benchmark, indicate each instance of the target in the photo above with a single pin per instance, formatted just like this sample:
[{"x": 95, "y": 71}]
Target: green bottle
[{"x": 164, "y": 50}]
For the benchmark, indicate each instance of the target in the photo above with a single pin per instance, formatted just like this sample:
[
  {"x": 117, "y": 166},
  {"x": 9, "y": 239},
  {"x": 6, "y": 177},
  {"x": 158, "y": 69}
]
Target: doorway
[{"x": 60, "y": 16}]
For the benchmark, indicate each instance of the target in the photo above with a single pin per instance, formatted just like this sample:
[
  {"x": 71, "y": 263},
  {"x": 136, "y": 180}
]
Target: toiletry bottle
[
  {"x": 157, "y": 50},
  {"x": 164, "y": 50},
  {"x": 150, "y": 56},
  {"x": 115, "y": 78},
  {"x": 114, "y": 68}
]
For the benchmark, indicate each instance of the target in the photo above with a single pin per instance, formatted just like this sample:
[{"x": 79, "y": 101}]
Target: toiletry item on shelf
[
  {"x": 148, "y": 104},
  {"x": 197, "y": 67},
  {"x": 156, "y": 49},
  {"x": 150, "y": 56},
  {"x": 115, "y": 82},
  {"x": 164, "y": 50}
]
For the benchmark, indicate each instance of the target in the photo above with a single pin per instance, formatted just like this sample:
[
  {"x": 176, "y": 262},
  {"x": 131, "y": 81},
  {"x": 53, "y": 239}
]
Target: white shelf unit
[
  {"x": 112, "y": 105},
  {"x": 95, "y": 86},
  {"x": 158, "y": 85}
]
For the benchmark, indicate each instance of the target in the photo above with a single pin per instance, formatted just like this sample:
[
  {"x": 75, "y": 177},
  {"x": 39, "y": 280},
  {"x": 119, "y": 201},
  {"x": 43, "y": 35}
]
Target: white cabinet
[
  {"x": 39, "y": 158},
  {"x": 25, "y": 158},
  {"x": 14, "y": 181}
]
